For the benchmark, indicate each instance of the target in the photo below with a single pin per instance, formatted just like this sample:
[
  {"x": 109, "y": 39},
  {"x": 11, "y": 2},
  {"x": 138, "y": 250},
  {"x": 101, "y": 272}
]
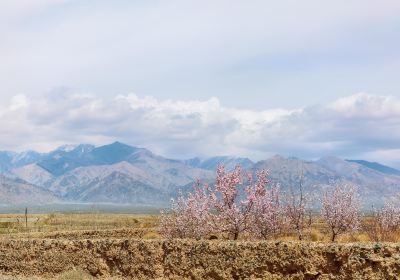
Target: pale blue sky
[
  {"x": 250, "y": 57},
  {"x": 251, "y": 54}
]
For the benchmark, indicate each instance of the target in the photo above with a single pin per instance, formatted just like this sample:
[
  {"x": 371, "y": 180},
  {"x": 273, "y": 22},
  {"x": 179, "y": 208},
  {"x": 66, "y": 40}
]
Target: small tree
[
  {"x": 220, "y": 210},
  {"x": 389, "y": 217},
  {"x": 188, "y": 218},
  {"x": 217, "y": 210},
  {"x": 232, "y": 216},
  {"x": 341, "y": 210},
  {"x": 266, "y": 212},
  {"x": 386, "y": 222},
  {"x": 295, "y": 210}
]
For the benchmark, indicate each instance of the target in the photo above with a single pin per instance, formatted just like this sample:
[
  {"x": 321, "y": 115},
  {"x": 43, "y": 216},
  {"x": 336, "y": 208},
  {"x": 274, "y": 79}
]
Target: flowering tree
[
  {"x": 221, "y": 209},
  {"x": 386, "y": 222},
  {"x": 266, "y": 212},
  {"x": 389, "y": 217},
  {"x": 295, "y": 210},
  {"x": 341, "y": 209},
  {"x": 232, "y": 216},
  {"x": 188, "y": 218}
]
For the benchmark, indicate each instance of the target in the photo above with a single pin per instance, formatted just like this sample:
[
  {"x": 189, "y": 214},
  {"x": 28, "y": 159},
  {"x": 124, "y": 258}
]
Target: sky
[{"x": 200, "y": 78}]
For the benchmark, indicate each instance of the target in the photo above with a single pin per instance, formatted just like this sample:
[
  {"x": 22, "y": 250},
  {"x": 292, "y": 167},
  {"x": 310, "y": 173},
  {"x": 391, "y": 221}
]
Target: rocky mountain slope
[
  {"x": 377, "y": 166},
  {"x": 212, "y": 163},
  {"x": 114, "y": 173},
  {"x": 119, "y": 173},
  {"x": 373, "y": 186},
  {"x": 17, "y": 191}
]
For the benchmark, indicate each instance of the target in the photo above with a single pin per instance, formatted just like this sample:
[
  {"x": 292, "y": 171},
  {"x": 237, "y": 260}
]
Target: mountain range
[{"x": 119, "y": 173}]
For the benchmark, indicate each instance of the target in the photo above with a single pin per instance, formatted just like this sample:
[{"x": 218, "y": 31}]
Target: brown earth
[
  {"x": 102, "y": 257},
  {"x": 122, "y": 233}
]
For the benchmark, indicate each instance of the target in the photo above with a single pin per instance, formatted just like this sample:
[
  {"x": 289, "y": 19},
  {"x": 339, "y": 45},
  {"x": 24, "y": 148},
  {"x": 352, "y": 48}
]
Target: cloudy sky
[{"x": 185, "y": 78}]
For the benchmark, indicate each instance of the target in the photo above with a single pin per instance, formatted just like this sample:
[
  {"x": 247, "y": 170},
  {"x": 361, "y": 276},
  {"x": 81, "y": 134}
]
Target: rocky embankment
[{"x": 185, "y": 259}]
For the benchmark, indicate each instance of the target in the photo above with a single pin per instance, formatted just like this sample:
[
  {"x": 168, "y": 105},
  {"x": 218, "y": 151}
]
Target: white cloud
[
  {"x": 18, "y": 101},
  {"x": 362, "y": 125},
  {"x": 368, "y": 106}
]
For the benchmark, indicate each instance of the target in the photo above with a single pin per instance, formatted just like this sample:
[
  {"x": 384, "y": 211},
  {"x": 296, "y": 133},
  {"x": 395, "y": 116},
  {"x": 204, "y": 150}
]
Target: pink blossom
[
  {"x": 221, "y": 211},
  {"x": 341, "y": 209},
  {"x": 264, "y": 204},
  {"x": 388, "y": 218},
  {"x": 232, "y": 216},
  {"x": 188, "y": 218},
  {"x": 295, "y": 211}
]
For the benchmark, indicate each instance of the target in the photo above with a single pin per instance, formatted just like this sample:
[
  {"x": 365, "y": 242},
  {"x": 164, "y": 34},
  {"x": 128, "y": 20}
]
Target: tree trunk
[
  {"x": 300, "y": 235},
  {"x": 333, "y": 236}
]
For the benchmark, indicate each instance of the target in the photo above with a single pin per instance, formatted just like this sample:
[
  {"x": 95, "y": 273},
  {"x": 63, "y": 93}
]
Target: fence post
[{"x": 26, "y": 217}]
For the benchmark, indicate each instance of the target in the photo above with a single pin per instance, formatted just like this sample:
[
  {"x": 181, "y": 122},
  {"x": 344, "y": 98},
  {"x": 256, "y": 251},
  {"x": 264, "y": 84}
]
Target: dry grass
[{"x": 13, "y": 225}]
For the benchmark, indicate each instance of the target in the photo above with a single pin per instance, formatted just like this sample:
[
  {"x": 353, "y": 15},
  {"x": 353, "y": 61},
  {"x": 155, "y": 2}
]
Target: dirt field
[{"x": 88, "y": 246}]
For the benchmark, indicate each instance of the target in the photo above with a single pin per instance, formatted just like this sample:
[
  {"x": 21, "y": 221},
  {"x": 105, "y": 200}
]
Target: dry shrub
[
  {"x": 316, "y": 236},
  {"x": 384, "y": 225},
  {"x": 355, "y": 237},
  {"x": 151, "y": 235},
  {"x": 287, "y": 237},
  {"x": 146, "y": 225},
  {"x": 377, "y": 233}
]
